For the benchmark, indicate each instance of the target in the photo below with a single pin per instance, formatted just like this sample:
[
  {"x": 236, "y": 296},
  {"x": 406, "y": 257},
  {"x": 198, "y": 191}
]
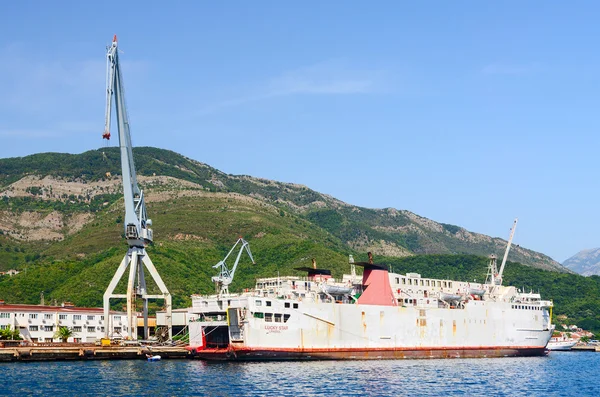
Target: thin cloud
[
  {"x": 326, "y": 78},
  {"x": 49, "y": 98},
  {"x": 29, "y": 133}
]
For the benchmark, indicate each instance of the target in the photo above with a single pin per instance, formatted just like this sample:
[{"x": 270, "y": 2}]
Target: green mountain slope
[{"x": 387, "y": 231}]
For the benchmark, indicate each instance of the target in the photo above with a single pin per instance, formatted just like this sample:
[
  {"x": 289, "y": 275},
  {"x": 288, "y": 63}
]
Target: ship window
[
  {"x": 269, "y": 317},
  {"x": 295, "y": 305},
  {"x": 427, "y": 283},
  {"x": 397, "y": 280},
  {"x": 450, "y": 284},
  {"x": 445, "y": 284},
  {"x": 286, "y": 317},
  {"x": 268, "y": 303},
  {"x": 259, "y": 315},
  {"x": 286, "y": 304},
  {"x": 258, "y": 303},
  {"x": 422, "y": 283},
  {"x": 277, "y": 317},
  {"x": 403, "y": 281},
  {"x": 439, "y": 283},
  {"x": 410, "y": 281}
]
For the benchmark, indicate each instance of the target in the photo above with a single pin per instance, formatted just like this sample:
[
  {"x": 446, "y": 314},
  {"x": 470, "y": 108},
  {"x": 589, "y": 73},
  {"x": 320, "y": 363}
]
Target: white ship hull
[
  {"x": 392, "y": 316},
  {"x": 350, "y": 331}
]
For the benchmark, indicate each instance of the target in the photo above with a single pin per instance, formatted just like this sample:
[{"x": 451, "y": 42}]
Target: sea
[{"x": 558, "y": 374}]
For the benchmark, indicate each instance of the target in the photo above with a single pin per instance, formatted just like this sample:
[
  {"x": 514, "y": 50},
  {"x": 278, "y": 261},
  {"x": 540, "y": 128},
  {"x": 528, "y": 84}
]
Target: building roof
[{"x": 8, "y": 307}]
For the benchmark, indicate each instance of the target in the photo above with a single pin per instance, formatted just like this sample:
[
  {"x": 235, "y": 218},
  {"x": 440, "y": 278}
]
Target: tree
[
  {"x": 64, "y": 333},
  {"x": 10, "y": 334}
]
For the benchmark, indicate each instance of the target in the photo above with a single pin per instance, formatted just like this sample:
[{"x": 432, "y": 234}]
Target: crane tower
[{"x": 136, "y": 223}]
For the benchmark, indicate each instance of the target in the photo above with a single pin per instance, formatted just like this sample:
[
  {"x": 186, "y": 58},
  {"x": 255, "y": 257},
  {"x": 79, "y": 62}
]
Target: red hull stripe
[{"x": 362, "y": 353}]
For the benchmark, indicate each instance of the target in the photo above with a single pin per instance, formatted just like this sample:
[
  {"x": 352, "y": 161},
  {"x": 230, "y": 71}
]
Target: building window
[
  {"x": 48, "y": 340},
  {"x": 76, "y": 329},
  {"x": 91, "y": 329},
  {"x": 48, "y": 328},
  {"x": 101, "y": 329},
  {"x": 77, "y": 340},
  {"x": 101, "y": 317},
  {"x": 4, "y": 315},
  {"x": 118, "y": 330},
  {"x": 117, "y": 318},
  {"x": 48, "y": 316},
  {"x": 90, "y": 318},
  {"x": 32, "y": 315},
  {"x": 62, "y": 316},
  {"x": 4, "y": 326},
  {"x": 33, "y": 327},
  {"x": 77, "y": 317}
]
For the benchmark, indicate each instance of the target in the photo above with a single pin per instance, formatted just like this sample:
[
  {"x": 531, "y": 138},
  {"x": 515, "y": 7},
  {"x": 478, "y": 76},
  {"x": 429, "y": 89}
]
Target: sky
[{"x": 466, "y": 112}]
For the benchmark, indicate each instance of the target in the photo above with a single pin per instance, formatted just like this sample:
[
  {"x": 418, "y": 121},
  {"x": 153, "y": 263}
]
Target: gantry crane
[
  {"x": 137, "y": 224},
  {"x": 225, "y": 276}
]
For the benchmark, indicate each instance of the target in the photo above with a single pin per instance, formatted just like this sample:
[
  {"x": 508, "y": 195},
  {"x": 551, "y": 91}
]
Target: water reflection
[{"x": 559, "y": 374}]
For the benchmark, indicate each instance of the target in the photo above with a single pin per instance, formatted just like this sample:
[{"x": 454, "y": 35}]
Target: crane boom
[
  {"x": 510, "y": 239},
  {"x": 225, "y": 276},
  {"x": 136, "y": 225}
]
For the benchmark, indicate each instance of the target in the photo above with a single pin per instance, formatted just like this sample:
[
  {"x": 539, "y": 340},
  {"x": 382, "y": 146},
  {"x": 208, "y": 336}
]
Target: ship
[
  {"x": 377, "y": 315},
  {"x": 561, "y": 343}
]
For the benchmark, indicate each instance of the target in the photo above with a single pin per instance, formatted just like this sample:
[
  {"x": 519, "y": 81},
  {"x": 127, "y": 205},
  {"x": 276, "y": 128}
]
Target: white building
[{"x": 38, "y": 323}]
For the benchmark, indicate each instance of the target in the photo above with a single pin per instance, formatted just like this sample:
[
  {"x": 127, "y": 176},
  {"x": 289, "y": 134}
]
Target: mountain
[
  {"x": 61, "y": 226},
  {"x": 586, "y": 262}
]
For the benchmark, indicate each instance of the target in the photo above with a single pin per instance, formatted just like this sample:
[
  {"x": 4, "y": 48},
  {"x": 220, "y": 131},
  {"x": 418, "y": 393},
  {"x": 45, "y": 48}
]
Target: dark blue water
[{"x": 559, "y": 374}]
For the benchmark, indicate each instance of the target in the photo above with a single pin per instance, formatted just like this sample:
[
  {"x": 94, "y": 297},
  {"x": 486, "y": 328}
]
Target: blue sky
[{"x": 466, "y": 112}]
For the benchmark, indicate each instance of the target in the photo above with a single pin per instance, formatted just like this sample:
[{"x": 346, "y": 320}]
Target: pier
[{"x": 81, "y": 352}]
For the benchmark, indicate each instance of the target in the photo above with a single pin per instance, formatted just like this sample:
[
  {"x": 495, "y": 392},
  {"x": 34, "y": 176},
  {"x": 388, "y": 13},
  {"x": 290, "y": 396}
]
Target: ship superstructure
[{"x": 379, "y": 315}]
